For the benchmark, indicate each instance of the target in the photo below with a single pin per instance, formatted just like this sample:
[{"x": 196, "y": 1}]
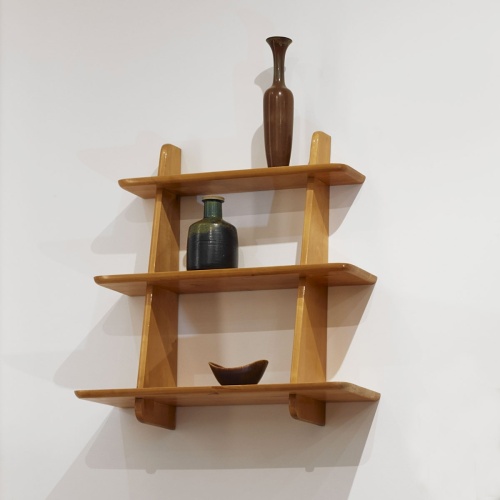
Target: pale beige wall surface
[{"x": 409, "y": 93}]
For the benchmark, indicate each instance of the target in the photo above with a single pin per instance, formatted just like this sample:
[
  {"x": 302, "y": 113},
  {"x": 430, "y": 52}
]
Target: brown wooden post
[{"x": 158, "y": 357}]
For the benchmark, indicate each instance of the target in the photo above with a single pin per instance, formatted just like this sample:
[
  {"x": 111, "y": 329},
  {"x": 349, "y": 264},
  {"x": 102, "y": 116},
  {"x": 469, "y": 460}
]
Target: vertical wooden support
[
  {"x": 309, "y": 345},
  {"x": 158, "y": 357}
]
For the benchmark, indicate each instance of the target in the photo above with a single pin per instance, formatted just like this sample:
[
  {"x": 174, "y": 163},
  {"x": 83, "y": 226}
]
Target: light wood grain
[
  {"x": 246, "y": 180},
  {"x": 259, "y": 394},
  {"x": 149, "y": 411},
  {"x": 307, "y": 409},
  {"x": 314, "y": 248},
  {"x": 309, "y": 343},
  {"x": 321, "y": 146},
  {"x": 238, "y": 279},
  {"x": 164, "y": 249},
  {"x": 158, "y": 355}
]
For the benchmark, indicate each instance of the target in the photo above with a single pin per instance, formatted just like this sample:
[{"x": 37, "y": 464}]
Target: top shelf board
[
  {"x": 239, "y": 181},
  {"x": 239, "y": 279}
]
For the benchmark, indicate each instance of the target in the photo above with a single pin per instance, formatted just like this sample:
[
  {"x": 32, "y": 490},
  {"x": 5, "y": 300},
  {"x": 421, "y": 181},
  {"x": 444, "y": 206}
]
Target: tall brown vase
[{"x": 278, "y": 109}]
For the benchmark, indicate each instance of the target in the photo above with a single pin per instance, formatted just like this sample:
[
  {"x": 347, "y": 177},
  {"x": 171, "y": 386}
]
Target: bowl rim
[{"x": 233, "y": 368}]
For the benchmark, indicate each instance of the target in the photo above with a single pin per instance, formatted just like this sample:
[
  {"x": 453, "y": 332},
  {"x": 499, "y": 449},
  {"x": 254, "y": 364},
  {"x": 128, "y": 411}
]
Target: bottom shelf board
[{"x": 259, "y": 394}]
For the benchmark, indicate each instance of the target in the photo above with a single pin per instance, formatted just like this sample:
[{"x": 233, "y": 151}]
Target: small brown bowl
[{"x": 240, "y": 375}]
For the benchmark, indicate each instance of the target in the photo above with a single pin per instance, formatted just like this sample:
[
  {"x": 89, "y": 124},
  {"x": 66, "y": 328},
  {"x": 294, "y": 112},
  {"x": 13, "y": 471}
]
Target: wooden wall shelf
[
  {"x": 157, "y": 396},
  {"x": 240, "y": 181},
  {"x": 224, "y": 395},
  {"x": 235, "y": 280}
]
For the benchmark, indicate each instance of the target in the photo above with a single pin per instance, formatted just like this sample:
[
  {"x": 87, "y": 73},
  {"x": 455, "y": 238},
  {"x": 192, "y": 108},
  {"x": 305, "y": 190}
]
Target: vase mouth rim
[
  {"x": 212, "y": 197},
  {"x": 279, "y": 39}
]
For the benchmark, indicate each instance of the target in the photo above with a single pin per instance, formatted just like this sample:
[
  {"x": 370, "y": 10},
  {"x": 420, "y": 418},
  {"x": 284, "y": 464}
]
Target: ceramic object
[
  {"x": 278, "y": 108},
  {"x": 212, "y": 242},
  {"x": 240, "y": 375}
]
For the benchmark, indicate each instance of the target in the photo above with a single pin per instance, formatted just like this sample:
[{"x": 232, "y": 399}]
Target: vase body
[
  {"x": 212, "y": 242},
  {"x": 278, "y": 109}
]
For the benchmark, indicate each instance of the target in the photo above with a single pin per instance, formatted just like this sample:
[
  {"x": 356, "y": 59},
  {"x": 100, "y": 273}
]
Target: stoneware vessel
[{"x": 212, "y": 242}]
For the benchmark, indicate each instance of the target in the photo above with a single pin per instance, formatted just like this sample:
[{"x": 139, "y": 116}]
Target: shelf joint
[{"x": 149, "y": 411}]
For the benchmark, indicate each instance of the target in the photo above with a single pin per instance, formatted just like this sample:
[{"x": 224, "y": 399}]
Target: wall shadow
[
  {"x": 227, "y": 438},
  {"x": 129, "y": 233},
  {"x": 109, "y": 354},
  {"x": 346, "y": 306},
  {"x": 258, "y": 149},
  {"x": 215, "y": 438}
]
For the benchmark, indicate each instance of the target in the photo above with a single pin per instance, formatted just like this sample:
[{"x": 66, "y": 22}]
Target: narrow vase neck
[
  {"x": 278, "y": 45},
  {"x": 212, "y": 208}
]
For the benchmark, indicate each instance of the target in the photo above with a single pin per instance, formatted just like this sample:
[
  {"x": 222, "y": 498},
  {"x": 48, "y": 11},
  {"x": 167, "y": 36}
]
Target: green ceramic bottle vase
[
  {"x": 278, "y": 109},
  {"x": 212, "y": 242}
]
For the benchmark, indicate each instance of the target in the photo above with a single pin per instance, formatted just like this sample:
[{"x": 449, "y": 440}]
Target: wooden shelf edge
[
  {"x": 239, "y": 279},
  {"x": 259, "y": 394},
  {"x": 246, "y": 180}
]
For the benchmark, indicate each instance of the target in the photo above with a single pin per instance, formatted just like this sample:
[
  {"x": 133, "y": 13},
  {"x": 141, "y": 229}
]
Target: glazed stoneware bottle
[
  {"x": 278, "y": 108},
  {"x": 212, "y": 242}
]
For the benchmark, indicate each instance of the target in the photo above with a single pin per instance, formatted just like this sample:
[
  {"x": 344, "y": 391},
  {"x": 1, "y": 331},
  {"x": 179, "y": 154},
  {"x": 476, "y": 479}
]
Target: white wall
[{"x": 409, "y": 91}]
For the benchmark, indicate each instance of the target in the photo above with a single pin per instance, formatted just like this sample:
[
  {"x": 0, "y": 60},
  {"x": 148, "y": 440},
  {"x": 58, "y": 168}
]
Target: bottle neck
[
  {"x": 212, "y": 209},
  {"x": 278, "y": 46},
  {"x": 279, "y": 68}
]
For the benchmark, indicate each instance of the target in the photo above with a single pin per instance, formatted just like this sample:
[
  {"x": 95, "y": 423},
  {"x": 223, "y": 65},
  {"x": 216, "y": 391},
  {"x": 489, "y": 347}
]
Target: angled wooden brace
[
  {"x": 309, "y": 345},
  {"x": 158, "y": 357}
]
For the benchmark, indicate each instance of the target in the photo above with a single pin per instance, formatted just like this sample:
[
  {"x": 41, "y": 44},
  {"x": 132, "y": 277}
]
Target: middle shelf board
[
  {"x": 240, "y": 279},
  {"x": 238, "y": 181},
  {"x": 258, "y": 394}
]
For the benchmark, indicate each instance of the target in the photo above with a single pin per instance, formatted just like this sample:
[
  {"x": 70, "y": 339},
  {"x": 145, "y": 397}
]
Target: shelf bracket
[
  {"x": 307, "y": 409},
  {"x": 151, "y": 412}
]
